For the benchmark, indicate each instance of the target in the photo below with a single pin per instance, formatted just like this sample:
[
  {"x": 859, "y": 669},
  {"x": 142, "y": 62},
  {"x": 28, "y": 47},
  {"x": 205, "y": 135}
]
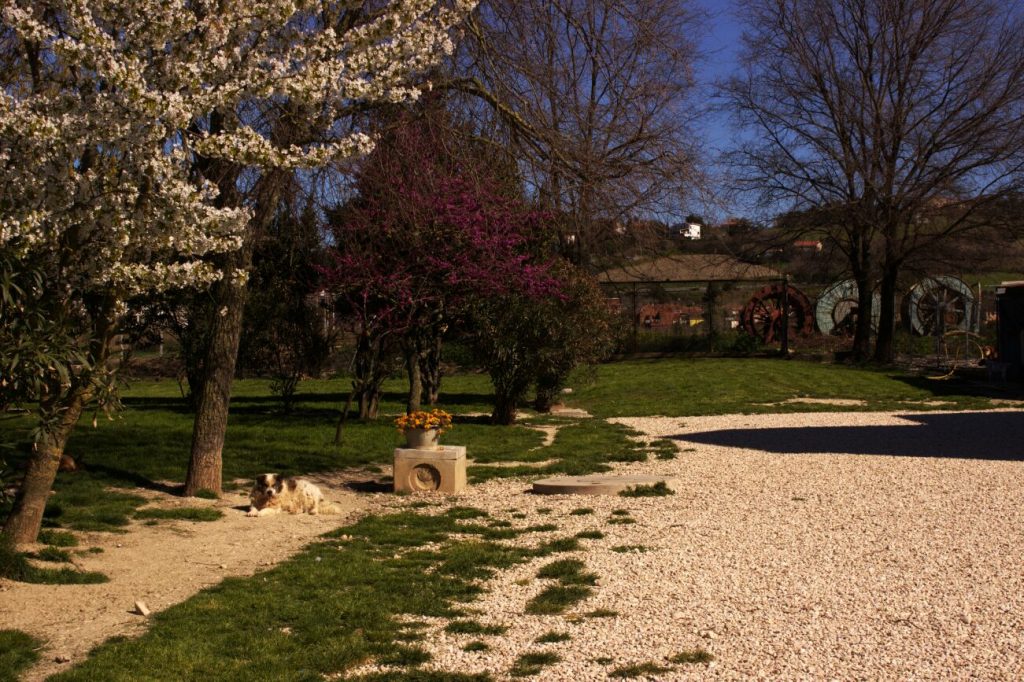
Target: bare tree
[
  {"x": 898, "y": 119},
  {"x": 596, "y": 99}
]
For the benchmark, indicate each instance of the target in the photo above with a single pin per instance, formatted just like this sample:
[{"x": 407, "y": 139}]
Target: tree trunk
[
  {"x": 26, "y": 518},
  {"x": 504, "y": 410},
  {"x": 229, "y": 295},
  {"x": 885, "y": 349},
  {"x": 369, "y": 402},
  {"x": 368, "y": 374},
  {"x": 430, "y": 372},
  {"x": 862, "y": 330},
  {"x": 546, "y": 392},
  {"x": 412, "y": 366},
  {"x": 211, "y": 422},
  {"x": 343, "y": 417},
  {"x": 711, "y": 314}
]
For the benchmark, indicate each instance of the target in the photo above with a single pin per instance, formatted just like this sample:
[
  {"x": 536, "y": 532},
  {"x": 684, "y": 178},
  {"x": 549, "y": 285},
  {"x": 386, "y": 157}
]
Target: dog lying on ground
[{"x": 274, "y": 493}]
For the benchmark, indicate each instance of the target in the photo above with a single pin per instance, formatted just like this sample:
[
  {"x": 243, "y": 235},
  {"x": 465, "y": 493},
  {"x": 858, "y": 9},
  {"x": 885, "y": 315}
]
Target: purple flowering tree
[{"x": 430, "y": 231}]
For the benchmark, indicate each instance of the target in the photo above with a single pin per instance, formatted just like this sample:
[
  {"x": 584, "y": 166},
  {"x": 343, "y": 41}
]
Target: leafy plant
[
  {"x": 436, "y": 419},
  {"x": 659, "y": 489},
  {"x": 526, "y": 341}
]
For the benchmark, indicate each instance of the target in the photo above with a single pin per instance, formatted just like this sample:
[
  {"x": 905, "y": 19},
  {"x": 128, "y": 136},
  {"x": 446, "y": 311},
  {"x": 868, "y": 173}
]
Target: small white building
[{"x": 690, "y": 230}]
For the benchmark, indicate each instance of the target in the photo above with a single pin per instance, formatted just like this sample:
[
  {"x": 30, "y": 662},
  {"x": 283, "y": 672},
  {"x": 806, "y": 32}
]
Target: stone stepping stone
[{"x": 595, "y": 484}]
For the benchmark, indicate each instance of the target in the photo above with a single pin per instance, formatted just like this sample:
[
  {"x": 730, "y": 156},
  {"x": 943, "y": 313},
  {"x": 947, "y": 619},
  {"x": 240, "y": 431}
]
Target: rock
[
  {"x": 61, "y": 658},
  {"x": 141, "y": 608},
  {"x": 566, "y": 391}
]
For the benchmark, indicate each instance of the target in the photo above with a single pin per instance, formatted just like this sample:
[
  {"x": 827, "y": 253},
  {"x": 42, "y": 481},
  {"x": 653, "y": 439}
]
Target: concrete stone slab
[
  {"x": 595, "y": 484},
  {"x": 442, "y": 470}
]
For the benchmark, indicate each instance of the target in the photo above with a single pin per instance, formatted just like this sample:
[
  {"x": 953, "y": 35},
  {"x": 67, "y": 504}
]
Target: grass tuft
[
  {"x": 58, "y": 538},
  {"x": 659, "y": 489},
  {"x": 638, "y": 669},
  {"x": 18, "y": 651},
  {"x": 405, "y": 656},
  {"x": 590, "y": 535},
  {"x": 622, "y": 549},
  {"x": 472, "y": 627},
  {"x": 694, "y": 656},
  {"x": 664, "y": 449},
  {"x": 541, "y": 528},
  {"x": 601, "y": 613},
  {"x": 557, "y": 546},
  {"x": 533, "y": 663},
  {"x": 465, "y": 513},
  {"x": 477, "y": 645},
  {"x": 59, "y": 556},
  {"x": 205, "y": 494},
  {"x": 552, "y": 637},
  {"x": 581, "y": 511},
  {"x": 557, "y": 599},
  {"x": 15, "y": 566},
  {"x": 568, "y": 572}
]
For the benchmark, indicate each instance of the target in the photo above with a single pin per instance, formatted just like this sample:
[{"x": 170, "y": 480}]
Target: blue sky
[{"x": 719, "y": 45}]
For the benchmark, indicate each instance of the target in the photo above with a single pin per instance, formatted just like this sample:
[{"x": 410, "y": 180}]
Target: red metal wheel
[{"x": 762, "y": 316}]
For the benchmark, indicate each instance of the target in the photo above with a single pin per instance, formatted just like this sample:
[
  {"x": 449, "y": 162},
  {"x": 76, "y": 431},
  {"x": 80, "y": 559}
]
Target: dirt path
[{"x": 162, "y": 565}]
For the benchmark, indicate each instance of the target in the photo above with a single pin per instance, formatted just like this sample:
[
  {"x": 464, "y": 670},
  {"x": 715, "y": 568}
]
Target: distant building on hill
[{"x": 808, "y": 246}]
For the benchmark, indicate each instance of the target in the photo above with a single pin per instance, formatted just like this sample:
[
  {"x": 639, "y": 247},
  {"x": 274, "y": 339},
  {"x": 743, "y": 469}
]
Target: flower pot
[{"x": 422, "y": 439}]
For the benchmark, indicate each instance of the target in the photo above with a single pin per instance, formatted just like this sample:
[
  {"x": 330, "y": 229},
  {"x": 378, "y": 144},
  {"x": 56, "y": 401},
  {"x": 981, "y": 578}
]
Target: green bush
[{"x": 528, "y": 342}]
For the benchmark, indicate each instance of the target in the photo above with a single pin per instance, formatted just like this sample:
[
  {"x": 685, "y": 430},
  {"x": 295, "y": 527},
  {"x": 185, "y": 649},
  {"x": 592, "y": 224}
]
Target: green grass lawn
[
  {"x": 688, "y": 387},
  {"x": 321, "y": 612},
  {"x": 147, "y": 444}
]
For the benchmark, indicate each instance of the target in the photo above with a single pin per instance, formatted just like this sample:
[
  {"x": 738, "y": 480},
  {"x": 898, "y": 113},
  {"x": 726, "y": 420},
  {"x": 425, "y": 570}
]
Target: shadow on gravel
[{"x": 966, "y": 435}]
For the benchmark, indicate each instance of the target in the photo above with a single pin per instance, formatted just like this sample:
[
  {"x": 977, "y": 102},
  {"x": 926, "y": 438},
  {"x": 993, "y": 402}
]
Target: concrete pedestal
[{"x": 442, "y": 470}]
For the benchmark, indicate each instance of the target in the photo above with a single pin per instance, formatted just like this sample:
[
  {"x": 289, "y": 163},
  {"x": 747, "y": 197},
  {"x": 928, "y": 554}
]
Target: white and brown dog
[{"x": 274, "y": 493}]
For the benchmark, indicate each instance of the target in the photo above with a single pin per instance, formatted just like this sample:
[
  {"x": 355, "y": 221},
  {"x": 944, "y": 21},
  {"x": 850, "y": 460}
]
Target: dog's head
[{"x": 267, "y": 485}]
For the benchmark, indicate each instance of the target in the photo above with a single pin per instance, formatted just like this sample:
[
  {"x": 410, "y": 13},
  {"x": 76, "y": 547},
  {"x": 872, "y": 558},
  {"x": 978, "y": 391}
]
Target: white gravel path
[{"x": 795, "y": 548}]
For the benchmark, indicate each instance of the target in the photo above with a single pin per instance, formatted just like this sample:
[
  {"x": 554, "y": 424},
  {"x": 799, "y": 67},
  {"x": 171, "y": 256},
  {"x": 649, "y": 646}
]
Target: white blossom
[{"x": 97, "y": 154}]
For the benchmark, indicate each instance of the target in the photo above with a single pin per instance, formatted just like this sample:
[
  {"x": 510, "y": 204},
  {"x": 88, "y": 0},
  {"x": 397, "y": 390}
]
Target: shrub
[{"x": 538, "y": 341}]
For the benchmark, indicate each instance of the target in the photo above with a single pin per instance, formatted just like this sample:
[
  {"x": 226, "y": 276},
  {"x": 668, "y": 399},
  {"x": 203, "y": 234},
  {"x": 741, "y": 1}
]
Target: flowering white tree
[{"x": 113, "y": 114}]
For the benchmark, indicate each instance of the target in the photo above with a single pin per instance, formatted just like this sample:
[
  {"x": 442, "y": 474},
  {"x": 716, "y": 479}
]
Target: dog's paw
[{"x": 252, "y": 513}]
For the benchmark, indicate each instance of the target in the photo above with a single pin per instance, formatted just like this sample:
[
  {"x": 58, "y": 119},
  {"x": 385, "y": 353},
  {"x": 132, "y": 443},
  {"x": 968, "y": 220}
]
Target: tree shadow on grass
[
  {"x": 961, "y": 435},
  {"x": 384, "y": 484},
  {"x": 325, "y": 404},
  {"x": 122, "y": 477},
  {"x": 961, "y": 387},
  {"x": 478, "y": 419}
]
